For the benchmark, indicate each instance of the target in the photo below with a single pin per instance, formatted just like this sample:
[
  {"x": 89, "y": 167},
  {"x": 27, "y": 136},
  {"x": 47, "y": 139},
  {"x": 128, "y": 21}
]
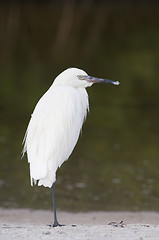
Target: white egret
[{"x": 55, "y": 126}]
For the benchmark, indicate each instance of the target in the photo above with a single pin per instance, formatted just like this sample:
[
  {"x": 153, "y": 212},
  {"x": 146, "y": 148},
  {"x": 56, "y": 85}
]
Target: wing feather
[{"x": 53, "y": 131}]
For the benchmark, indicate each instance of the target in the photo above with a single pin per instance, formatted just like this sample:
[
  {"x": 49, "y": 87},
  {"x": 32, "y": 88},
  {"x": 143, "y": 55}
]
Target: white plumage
[
  {"x": 56, "y": 123},
  {"x": 54, "y": 128}
]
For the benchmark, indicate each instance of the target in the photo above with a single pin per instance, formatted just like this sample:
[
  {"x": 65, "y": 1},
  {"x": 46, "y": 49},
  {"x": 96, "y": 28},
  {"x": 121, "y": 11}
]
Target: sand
[{"x": 30, "y": 224}]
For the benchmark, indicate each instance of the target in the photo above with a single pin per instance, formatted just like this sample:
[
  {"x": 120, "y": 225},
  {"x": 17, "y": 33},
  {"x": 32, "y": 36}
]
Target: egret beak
[{"x": 97, "y": 80}]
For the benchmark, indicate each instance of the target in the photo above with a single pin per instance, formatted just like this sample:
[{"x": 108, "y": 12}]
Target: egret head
[{"x": 78, "y": 78}]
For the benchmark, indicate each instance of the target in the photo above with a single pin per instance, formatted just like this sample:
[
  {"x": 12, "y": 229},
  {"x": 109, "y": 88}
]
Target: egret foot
[{"x": 57, "y": 224}]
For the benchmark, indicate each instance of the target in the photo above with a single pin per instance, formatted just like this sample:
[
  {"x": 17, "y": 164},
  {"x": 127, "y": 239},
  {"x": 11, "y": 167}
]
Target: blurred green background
[{"x": 115, "y": 165}]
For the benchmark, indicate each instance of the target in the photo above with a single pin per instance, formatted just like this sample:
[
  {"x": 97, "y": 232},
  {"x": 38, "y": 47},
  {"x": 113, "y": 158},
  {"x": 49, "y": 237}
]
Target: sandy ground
[{"x": 28, "y": 224}]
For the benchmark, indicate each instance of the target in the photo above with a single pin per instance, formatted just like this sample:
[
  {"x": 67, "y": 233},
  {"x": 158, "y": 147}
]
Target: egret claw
[{"x": 56, "y": 224}]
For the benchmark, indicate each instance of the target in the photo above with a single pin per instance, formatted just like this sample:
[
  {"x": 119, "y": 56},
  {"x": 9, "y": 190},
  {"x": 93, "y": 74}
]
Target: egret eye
[{"x": 81, "y": 77}]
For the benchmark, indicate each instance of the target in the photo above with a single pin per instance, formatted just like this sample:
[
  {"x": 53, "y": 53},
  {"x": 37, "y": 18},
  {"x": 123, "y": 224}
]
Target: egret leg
[{"x": 56, "y": 223}]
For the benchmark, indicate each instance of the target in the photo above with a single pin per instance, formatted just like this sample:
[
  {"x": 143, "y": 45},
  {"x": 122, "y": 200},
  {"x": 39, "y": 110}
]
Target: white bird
[{"x": 55, "y": 126}]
